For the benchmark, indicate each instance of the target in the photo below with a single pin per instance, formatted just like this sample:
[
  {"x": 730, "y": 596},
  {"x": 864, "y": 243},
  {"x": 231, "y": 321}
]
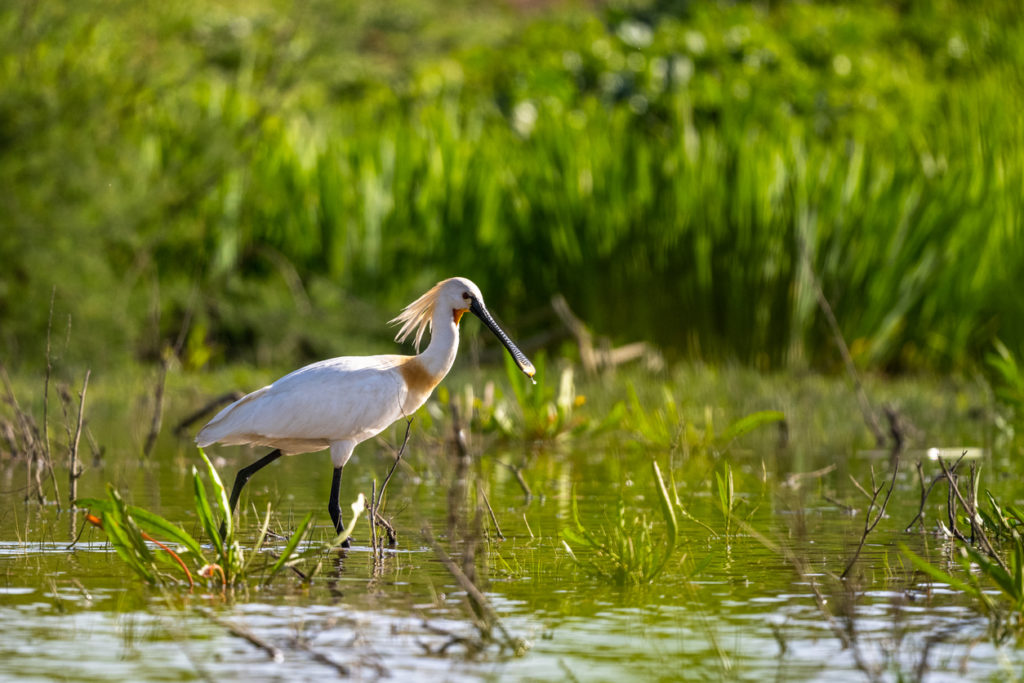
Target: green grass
[
  {"x": 994, "y": 581},
  {"x": 626, "y": 551},
  {"x": 248, "y": 171},
  {"x": 131, "y": 531}
]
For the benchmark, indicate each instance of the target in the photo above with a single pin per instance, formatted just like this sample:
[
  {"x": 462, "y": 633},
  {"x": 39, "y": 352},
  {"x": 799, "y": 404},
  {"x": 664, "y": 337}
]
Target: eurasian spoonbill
[{"x": 341, "y": 402}]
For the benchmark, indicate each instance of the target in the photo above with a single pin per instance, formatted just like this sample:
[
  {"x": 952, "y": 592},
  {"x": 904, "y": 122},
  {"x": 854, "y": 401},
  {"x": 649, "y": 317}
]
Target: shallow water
[{"x": 728, "y": 607}]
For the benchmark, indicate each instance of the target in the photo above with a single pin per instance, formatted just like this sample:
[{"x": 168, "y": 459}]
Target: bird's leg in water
[
  {"x": 243, "y": 476},
  {"x": 334, "y": 507}
]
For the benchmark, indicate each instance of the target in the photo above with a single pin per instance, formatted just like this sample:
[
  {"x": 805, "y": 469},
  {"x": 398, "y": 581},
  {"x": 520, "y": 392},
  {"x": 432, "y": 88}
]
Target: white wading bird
[{"x": 341, "y": 402}]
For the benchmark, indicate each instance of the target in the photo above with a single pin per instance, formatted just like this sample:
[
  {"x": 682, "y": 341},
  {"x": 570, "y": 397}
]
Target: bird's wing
[{"x": 349, "y": 398}]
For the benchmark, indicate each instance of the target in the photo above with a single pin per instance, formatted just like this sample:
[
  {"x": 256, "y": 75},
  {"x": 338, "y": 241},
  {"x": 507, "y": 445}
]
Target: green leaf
[
  {"x": 119, "y": 540},
  {"x": 94, "y": 504},
  {"x": 158, "y": 526},
  {"x": 259, "y": 540},
  {"x": 993, "y": 571},
  {"x": 939, "y": 575},
  {"x": 357, "y": 507},
  {"x": 748, "y": 424},
  {"x": 571, "y": 536},
  {"x": 669, "y": 514},
  {"x": 221, "y": 495},
  {"x": 205, "y": 513},
  {"x": 132, "y": 534},
  {"x": 1018, "y": 567},
  {"x": 293, "y": 543},
  {"x": 1015, "y": 512}
]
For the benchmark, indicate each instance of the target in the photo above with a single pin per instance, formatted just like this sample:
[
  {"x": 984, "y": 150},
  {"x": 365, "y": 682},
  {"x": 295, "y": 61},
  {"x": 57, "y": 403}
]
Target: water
[{"x": 732, "y": 606}]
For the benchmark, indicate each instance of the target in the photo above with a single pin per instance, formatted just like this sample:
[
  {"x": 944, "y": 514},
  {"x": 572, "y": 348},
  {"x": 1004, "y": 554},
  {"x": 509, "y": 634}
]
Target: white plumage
[
  {"x": 336, "y": 400},
  {"x": 341, "y": 402}
]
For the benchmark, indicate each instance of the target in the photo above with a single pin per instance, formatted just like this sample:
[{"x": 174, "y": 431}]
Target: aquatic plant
[
  {"x": 979, "y": 573},
  {"x": 666, "y": 426},
  {"x": 132, "y": 529},
  {"x": 627, "y": 551},
  {"x": 548, "y": 409},
  {"x": 1008, "y": 387},
  {"x": 667, "y": 182},
  {"x": 993, "y": 555}
]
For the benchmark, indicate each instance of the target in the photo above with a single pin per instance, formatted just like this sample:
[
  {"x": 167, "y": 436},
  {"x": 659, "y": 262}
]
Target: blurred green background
[{"x": 271, "y": 181}]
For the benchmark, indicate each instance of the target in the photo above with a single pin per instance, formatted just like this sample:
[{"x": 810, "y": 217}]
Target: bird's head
[
  {"x": 455, "y": 296},
  {"x": 458, "y": 294}
]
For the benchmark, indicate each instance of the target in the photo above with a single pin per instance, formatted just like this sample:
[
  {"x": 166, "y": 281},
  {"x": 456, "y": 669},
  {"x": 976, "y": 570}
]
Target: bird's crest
[{"x": 416, "y": 316}]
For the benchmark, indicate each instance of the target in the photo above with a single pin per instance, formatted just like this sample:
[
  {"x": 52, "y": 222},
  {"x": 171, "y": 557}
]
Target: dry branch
[
  {"x": 602, "y": 356},
  {"x": 73, "y": 470},
  {"x": 209, "y": 407}
]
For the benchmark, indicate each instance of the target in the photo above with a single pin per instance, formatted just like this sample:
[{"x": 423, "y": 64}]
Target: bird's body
[{"x": 341, "y": 402}]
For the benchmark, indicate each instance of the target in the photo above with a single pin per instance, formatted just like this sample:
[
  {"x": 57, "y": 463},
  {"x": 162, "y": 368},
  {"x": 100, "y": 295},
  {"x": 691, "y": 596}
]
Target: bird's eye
[{"x": 465, "y": 295}]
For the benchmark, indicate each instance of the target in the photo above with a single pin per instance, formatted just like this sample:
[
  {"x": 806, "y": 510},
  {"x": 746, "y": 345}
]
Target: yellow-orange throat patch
[{"x": 457, "y": 314}]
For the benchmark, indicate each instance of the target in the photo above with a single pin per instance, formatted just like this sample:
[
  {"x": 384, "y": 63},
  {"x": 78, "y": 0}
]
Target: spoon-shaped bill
[{"x": 477, "y": 308}]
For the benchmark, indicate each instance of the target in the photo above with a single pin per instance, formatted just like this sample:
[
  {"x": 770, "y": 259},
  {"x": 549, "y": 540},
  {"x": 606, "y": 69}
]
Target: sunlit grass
[
  {"x": 132, "y": 531},
  {"x": 626, "y": 550},
  {"x": 994, "y": 581},
  {"x": 678, "y": 178}
]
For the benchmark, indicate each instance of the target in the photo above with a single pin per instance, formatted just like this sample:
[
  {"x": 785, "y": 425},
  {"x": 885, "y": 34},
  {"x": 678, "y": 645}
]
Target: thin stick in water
[
  {"x": 73, "y": 472},
  {"x": 48, "y": 461},
  {"x": 490, "y": 511},
  {"x": 244, "y": 633}
]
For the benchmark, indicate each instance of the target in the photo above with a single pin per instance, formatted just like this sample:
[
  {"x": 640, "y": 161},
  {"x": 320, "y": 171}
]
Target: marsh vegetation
[{"x": 762, "y": 256}]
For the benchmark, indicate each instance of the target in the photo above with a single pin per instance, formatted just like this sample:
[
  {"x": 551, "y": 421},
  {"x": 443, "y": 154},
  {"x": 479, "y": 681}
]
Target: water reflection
[{"x": 732, "y": 605}]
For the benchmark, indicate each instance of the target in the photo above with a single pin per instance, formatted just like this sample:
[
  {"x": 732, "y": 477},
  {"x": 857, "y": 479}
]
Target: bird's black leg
[
  {"x": 334, "y": 507},
  {"x": 243, "y": 476}
]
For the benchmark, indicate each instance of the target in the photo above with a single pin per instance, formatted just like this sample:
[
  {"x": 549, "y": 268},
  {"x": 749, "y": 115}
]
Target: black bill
[{"x": 477, "y": 308}]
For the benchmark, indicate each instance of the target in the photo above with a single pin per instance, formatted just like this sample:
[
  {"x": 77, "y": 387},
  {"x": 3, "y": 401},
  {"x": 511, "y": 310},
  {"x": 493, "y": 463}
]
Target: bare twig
[
  {"x": 518, "y": 472},
  {"x": 481, "y": 605},
  {"x": 375, "y": 518},
  {"x": 394, "y": 465},
  {"x": 169, "y": 354},
  {"x": 29, "y": 438},
  {"x": 848, "y": 509},
  {"x": 457, "y": 489},
  {"x": 209, "y": 407},
  {"x": 370, "y": 519},
  {"x": 494, "y": 520},
  {"x": 73, "y": 470},
  {"x": 972, "y": 515},
  {"x": 925, "y": 492},
  {"x": 342, "y": 669},
  {"x": 837, "y": 335},
  {"x": 459, "y": 434},
  {"x": 869, "y": 523},
  {"x": 388, "y": 527},
  {"x": 158, "y": 405},
  {"x": 796, "y": 478},
  {"x": 843, "y": 626},
  {"x": 47, "y": 457},
  {"x": 604, "y": 356},
  {"x": 244, "y": 633}
]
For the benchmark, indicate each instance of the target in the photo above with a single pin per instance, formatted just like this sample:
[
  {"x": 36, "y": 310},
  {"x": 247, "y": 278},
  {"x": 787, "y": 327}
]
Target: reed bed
[{"x": 681, "y": 178}]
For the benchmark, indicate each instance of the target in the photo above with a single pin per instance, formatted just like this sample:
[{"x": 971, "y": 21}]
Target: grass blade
[
  {"x": 155, "y": 524},
  {"x": 293, "y": 542},
  {"x": 221, "y": 495},
  {"x": 747, "y": 424},
  {"x": 357, "y": 507},
  {"x": 205, "y": 513}
]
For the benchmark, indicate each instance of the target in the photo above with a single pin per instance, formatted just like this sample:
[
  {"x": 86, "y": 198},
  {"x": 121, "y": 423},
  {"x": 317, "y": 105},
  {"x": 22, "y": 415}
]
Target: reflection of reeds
[
  {"x": 489, "y": 627},
  {"x": 670, "y": 203}
]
